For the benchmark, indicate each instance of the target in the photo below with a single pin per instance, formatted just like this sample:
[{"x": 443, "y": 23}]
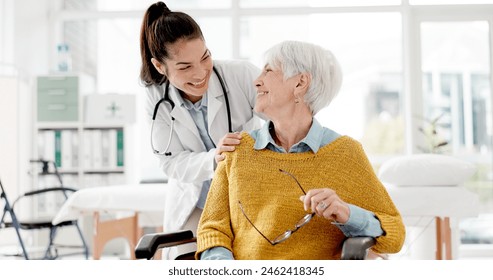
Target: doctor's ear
[{"x": 159, "y": 66}]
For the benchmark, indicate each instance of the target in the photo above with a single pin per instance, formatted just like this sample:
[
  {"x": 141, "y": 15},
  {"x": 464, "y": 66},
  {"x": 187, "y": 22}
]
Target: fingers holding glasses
[
  {"x": 227, "y": 143},
  {"x": 326, "y": 203},
  {"x": 309, "y": 203},
  {"x": 321, "y": 206},
  {"x": 336, "y": 210}
]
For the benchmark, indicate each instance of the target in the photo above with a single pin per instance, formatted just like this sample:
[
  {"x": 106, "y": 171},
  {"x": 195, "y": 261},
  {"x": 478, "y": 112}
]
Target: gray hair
[{"x": 294, "y": 57}]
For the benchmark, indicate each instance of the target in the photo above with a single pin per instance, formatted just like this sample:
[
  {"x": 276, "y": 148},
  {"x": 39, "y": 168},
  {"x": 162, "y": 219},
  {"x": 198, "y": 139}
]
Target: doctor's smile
[{"x": 198, "y": 84}]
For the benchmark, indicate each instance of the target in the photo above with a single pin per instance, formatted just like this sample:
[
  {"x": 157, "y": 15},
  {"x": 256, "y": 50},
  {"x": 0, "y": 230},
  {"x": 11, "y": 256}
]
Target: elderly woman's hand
[
  {"x": 325, "y": 202},
  {"x": 227, "y": 144}
]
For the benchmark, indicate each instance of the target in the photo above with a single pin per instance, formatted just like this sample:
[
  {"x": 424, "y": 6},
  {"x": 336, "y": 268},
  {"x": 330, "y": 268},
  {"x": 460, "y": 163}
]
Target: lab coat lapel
[{"x": 218, "y": 124}]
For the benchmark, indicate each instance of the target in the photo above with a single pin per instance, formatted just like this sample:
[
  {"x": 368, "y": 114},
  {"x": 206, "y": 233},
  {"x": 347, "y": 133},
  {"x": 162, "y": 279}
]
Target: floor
[
  {"x": 114, "y": 250},
  {"x": 14, "y": 253},
  {"x": 118, "y": 249},
  {"x": 466, "y": 252}
]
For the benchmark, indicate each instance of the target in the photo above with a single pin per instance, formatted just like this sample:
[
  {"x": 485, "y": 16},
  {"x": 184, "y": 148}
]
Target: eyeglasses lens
[
  {"x": 304, "y": 220},
  {"x": 282, "y": 237}
]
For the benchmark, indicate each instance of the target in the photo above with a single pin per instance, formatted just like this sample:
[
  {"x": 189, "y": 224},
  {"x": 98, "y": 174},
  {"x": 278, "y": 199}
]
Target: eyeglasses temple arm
[
  {"x": 296, "y": 180},
  {"x": 248, "y": 219}
]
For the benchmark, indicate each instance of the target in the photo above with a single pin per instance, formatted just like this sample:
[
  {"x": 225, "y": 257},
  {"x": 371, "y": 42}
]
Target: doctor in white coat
[{"x": 195, "y": 105}]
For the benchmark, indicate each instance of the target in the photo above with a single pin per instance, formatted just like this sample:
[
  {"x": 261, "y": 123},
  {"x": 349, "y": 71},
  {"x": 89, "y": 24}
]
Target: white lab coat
[{"x": 190, "y": 164}]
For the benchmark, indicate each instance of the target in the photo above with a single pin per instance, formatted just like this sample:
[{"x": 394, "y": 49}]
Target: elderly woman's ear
[{"x": 303, "y": 84}]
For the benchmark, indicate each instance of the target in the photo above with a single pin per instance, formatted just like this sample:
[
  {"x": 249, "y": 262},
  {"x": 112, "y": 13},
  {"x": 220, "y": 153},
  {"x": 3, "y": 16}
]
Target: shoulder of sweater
[
  {"x": 342, "y": 141},
  {"x": 246, "y": 142},
  {"x": 346, "y": 147}
]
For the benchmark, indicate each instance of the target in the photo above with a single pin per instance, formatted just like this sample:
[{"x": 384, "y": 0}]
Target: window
[
  {"x": 457, "y": 93},
  {"x": 455, "y": 60}
]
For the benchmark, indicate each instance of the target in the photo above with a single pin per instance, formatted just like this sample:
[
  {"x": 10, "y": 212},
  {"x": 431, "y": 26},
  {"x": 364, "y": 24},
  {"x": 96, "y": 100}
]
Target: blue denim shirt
[
  {"x": 361, "y": 222},
  {"x": 198, "y": 111}
]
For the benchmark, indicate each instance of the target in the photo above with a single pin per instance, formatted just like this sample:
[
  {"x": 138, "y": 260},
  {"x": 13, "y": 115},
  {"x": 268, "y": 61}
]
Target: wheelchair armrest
[
  {"x": 356, "y": 248},
  {"x": 150, "y": 243}
]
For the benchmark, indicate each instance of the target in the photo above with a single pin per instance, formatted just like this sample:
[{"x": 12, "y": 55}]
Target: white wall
[
  {"x": 9, "y": 144},
  {"x": 31, "y": 37},
  {"x": 14, "y": 143},
  {"x": 30, "y": 32},
  {"x": 28, "y": 59}
]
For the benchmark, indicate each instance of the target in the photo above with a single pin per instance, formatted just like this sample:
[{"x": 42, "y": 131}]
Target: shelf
[
  {"x": 87, "y": 152},
  {"x": 102, "y": 126},
  {"x": 81, "y": 148},
  {"x": 105, "y": 171},
  {"x": 61, "y": 172},
  {"x": 57, "y": 125}
]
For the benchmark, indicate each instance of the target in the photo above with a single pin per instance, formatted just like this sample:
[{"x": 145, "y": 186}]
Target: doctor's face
[
  {"x": 275, "y": 95},
  {"x": 189, "y": 67}
]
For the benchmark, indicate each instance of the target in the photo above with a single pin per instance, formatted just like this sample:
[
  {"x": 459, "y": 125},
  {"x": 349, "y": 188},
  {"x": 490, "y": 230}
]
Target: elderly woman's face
[{"x": 275, "y": 96}]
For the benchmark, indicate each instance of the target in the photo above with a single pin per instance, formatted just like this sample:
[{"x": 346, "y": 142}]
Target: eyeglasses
[{"x": 282, "y": 237}]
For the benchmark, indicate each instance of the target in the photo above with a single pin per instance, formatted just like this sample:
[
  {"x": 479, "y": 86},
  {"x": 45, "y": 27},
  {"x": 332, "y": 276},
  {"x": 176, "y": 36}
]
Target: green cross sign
[{"x": 113, "y": 108}]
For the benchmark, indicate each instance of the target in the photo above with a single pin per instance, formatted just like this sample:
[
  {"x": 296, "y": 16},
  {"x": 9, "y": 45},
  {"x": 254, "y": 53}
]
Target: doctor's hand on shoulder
[{"x": 227, "y": 143}]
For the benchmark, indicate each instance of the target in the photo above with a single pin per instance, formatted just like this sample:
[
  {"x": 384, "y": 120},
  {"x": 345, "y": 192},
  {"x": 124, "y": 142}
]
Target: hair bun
[
  {"x": 156, "y": 11},
  {"x": 162, "y": 7}
]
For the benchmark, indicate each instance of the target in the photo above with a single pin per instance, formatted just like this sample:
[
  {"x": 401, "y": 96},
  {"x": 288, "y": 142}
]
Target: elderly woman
[{"x": 294, "y": 189}]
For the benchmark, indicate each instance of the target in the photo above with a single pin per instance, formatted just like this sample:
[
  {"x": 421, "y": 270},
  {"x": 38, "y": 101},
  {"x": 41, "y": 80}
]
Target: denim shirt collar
[
  {"x": 197, "y": 106},
  {"x": 312, "y": 141}
]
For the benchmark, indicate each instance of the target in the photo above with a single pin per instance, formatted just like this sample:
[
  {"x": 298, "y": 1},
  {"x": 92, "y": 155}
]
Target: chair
[
  {"x": 42, "y": 223},
  {"x": 354, "y": 248}
]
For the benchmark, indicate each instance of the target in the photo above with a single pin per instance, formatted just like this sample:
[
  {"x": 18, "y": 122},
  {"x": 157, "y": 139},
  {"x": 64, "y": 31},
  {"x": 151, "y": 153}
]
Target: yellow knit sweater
[{"x": 271, "y": 201}]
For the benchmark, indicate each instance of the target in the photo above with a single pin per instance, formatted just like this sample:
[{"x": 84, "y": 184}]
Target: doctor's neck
[{"x": 190, "y": 97}]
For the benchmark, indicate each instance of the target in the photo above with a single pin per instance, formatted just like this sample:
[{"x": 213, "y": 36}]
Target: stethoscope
[{"x": 170, "y": 102}]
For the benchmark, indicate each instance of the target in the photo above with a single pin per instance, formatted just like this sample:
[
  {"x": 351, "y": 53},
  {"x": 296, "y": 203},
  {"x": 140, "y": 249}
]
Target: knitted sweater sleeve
[
  {"x": 214, "y": 226},
  {"x": 375, "y": 198}
]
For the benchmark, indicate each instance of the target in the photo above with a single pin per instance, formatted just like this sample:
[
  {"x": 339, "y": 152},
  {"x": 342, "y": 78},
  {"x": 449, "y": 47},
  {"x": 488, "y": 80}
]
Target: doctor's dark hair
[
  {"x": 294, "y": 57},
  {"x": 161, "y": 28}
]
